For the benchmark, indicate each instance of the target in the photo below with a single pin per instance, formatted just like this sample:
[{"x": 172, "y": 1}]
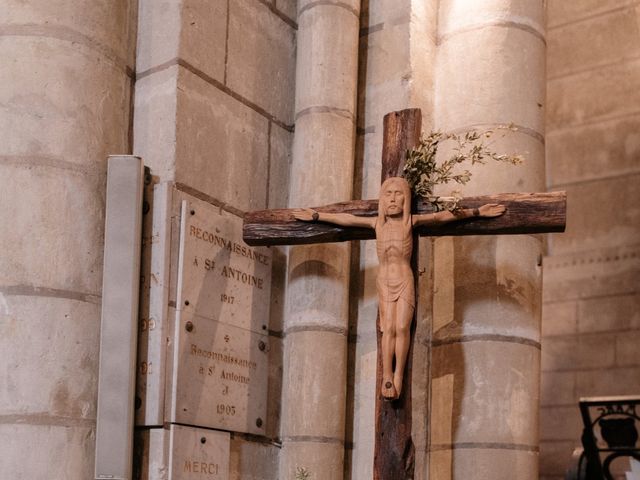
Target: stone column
[
  {"x": 314, "y": 392},
  {"x": 486, "y": 330},
  {"x": 65, "y": 88}
]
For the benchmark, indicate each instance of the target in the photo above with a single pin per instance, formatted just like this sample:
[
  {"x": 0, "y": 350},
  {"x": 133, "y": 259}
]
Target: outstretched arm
[
  {"x": 440, "y": 218},
  {"x": 342, "y": 219}
]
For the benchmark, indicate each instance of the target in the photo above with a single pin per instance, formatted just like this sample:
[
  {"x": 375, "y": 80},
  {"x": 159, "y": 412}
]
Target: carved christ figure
[{"x": 395, "y": 283}]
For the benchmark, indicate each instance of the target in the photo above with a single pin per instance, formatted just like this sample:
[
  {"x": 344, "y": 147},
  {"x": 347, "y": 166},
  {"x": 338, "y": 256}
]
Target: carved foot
[
  {"x": 389, "y": 391},
  {"x": 397, "y": 384}
]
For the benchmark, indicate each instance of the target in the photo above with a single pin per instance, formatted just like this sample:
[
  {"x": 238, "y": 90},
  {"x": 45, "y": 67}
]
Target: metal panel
[{"x": 120, "y": 298}]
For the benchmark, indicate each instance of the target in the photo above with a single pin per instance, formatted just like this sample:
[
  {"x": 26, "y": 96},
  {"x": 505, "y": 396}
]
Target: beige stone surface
[
  {"x": 600, "y": 272},
  {"x": 558, "y": 388},
  {"x": 387, "y": 74},
  {"x": 252, "y": 460},
  {"x": 192, "y": 30},
  {"x": 327, "y": 32},
  {"x": 308, "y": 301},
  {"x": 396, "y": 63},
  {"x": 481, "y": 281},
  {"x": 485, "y": 391},
  {"x": 221, "y": 144},
  {"x": 589, "y": 152},
  {"x": 502, "y": 83},
  {"x": 49, "y": 345},
  {"x": 579, "y": 99},
  {"x": 615, "y": 203},
  {"x": 314, "y": 396},
  {"x": 280, "y": 143},
  {"x": 607, "y": 381},
  {"x": 324, "y": 461},
  {"x": 458, "y": 15},
  {"x": 105, "y": 26},
  {"x": 560, "y": 12},
  {"x": 578, "y": 352},
  {"x": 327, "y": 145},
  {"x": 483, "y": 464},
  {"x": 559, "y": 318},
  {"x": 602, "y": 314},
  {"x": 260, "y": 58},
  {"x": 372, "y": 152},
  {"x": 594, "y": 42},
  {"x": 278, "y": 289},
  {"x": 288, "y": 8},
  {"x": 42, "y": 123},
  {"x": 203, "y": 35},
  {"x": 555, "y": 458},
  {"x": 386, "y": 11},
  {"x": 154, "y": 126},
  {"x": 353, "y": 5},
  {"x": 627, "y": 348},
  {"x": 362, "y": 429},
  {"x": 65, "y": 105},
  {"x": 321, "y": 173},
  {"x": 159, "y": 26},
  {"x": 560, "y": 422},
  {"x": 274, "y": 388},
  {"x": 57, "y": 228},
  {"x": 35, "y": 451}
]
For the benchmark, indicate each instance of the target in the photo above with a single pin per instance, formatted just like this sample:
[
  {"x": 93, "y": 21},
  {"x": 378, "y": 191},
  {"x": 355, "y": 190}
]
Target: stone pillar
[
  {"x": 65, "y": 89},
  {"x": 486, "y": 310},
  {"x": 315, "y": 352}
]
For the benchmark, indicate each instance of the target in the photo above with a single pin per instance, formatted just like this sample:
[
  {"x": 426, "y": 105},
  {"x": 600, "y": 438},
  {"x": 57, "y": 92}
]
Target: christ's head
[{"x": 395, "y": 198}]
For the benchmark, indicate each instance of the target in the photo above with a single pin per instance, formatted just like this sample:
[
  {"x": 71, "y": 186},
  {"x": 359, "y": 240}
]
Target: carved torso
[{"x": 394, "y": 245}]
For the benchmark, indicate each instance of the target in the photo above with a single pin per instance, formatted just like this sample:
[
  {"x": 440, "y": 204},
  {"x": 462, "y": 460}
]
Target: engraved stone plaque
[
  {"x": 220, "y": 352},
  {"x": 186, "y": 453},
  {"x": 221, "y": 375},
  {"x": 198, "y": 453},
  {"x": 220, "y": 277}
]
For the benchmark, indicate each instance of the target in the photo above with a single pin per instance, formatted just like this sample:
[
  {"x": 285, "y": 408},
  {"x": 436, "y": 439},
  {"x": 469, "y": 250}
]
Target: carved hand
[
  {"x": 491, "y": 210},
  {"x": 305, "y": 214}
]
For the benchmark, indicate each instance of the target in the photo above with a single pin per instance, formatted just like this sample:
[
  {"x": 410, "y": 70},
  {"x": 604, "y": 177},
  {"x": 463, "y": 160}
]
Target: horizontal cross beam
[{"x": 526, "y": 213}]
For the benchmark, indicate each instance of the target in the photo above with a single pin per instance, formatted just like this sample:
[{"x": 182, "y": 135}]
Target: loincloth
[{"x": 393, "y": 289}]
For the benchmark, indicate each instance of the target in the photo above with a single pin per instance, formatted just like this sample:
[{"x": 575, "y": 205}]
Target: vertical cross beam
[{"x": 394, "y": 457}]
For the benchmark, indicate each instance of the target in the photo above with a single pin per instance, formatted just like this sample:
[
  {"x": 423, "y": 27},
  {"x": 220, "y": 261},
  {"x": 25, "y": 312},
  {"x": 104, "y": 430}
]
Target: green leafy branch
[
  {"x": 302, "y": 474},
  {"x": 423, "y": 172}
]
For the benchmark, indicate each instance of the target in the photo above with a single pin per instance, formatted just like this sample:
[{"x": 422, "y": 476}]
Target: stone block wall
[
  {"x": 214, "y": 113},
  {"x": 591, "y": 320}
]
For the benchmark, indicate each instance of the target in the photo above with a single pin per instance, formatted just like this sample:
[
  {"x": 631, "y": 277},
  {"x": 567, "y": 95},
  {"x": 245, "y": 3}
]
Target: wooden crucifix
[{"x": 395, "y": 220}]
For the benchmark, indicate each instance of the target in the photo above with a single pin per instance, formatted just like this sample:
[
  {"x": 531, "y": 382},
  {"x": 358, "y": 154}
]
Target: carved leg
[
  {"x": 387, "y": 325},
  {"x": 403, "y": 341}
]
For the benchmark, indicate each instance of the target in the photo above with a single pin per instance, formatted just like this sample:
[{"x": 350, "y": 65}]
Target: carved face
[{"x": 394, "y": 196}]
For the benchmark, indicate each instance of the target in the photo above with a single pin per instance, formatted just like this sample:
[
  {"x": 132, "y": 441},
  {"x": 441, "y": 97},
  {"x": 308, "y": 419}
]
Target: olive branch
[
  {"x": 302, "y": 473},
  {"x": 423, "y": 172}
]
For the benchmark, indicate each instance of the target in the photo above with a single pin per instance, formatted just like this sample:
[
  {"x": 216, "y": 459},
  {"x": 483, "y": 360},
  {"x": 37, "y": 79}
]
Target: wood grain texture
[
  {"x": 526, "y": 213},
  {"x": 394, "y": 451}
]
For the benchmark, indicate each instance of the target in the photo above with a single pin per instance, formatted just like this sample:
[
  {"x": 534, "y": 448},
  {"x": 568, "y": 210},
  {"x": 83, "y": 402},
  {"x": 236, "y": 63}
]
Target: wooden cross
[{"x": 525, "y": 213}]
